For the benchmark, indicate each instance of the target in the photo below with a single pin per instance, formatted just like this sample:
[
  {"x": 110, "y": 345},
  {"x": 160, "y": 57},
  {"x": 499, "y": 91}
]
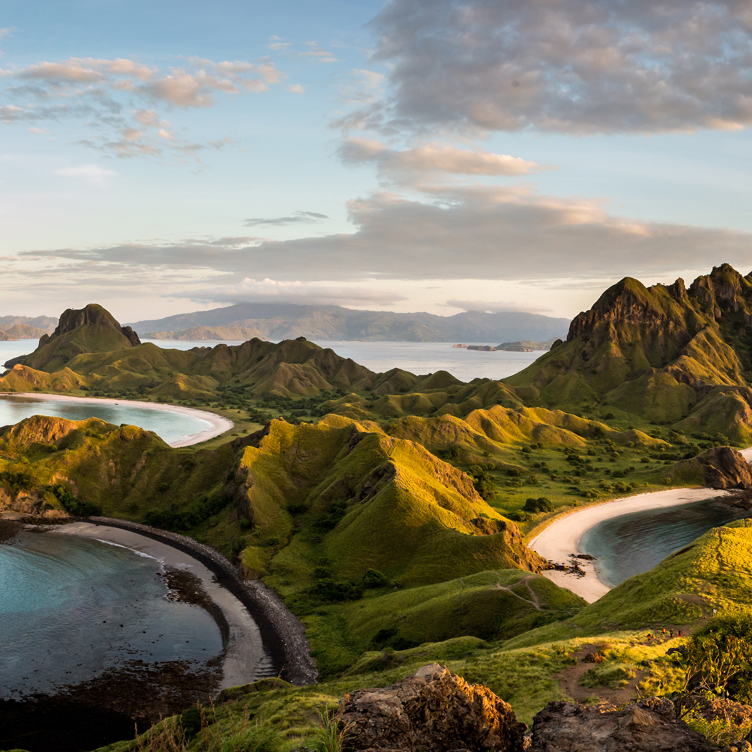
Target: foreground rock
[
  {"x": 724, "y": 467},
  {"x": 433, "y": 710},
  {"x": 650, "y": 726}
]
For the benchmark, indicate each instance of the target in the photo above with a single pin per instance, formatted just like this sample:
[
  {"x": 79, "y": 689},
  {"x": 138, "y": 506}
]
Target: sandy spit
[
  {"x": 245, "y": 657},
  {"x": 218, "y": 424},
  {"x": 562, "y": 538}
]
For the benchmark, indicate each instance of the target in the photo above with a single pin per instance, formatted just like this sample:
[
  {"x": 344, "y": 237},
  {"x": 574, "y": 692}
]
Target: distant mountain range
[
  {"x": 318, "y": 322},
  {"x": 25, "y": 327}
]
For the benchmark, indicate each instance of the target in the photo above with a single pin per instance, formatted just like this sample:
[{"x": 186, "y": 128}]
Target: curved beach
[
  {"x": 245, "y": 657},
  {"x": 218, "y": 424},
  {"x": 561, "y": 539}
]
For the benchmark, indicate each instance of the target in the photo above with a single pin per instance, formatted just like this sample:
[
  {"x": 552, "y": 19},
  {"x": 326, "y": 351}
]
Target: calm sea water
[
  {"x": 417, "y": 357},
  {"x": 70, "y": 608},
  {"x": 635, "y": 543},
  {"x": 170, "y": 426}
]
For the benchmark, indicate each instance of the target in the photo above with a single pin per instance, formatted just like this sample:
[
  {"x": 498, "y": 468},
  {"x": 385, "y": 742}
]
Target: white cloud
[
  {"x": 497, "y": 306},
  {"x": 296, "y": 89},
  {"x": 98, "y": 90},
  {"x": 421, "y": 162},
  {"x": 267, "y": 290},
  {"x": 452, "y": 233},
  {"x": 91, "y": 173},
  {"x": 570, "y": 66}
]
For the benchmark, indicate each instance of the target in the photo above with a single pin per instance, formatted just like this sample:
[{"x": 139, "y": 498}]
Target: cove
[
  {"x": 635, "y": 543},
  {"x": 178, "y": 426},
  {"x": 73, "y": 608}
]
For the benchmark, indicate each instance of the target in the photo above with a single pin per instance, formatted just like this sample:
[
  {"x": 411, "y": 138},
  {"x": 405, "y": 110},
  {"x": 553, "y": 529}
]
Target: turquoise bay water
[
  {"x": 635, "y": 543},
  {"x": 70, "y": 608},
  {"x": 170, "y": 426}
]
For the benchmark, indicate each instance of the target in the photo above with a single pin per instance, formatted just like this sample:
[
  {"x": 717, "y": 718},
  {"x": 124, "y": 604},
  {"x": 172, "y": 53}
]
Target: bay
[
  {"x": 634, "y": 543},
  {"x": 71, "y": 608}
]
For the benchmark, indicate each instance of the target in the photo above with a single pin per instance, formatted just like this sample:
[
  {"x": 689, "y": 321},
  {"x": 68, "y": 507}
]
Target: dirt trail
[
  {"x": 569, "y": 678},
  {"x": 535, "y": 602}
]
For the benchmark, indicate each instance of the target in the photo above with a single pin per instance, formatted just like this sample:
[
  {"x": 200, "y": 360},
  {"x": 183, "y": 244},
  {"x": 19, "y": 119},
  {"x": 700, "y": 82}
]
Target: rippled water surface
[
  {"x": 71, "y": 607},
  {"x": 635, "y": 543}
]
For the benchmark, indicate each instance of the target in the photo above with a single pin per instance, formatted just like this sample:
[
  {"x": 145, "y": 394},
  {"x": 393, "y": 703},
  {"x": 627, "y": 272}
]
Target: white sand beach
[
  {"x": 562, "y": 538},
  {"x": 217, "y": 424},
  {"x": 244, "y": 650}
]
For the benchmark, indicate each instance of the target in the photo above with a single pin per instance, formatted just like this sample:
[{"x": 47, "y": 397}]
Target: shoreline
[
  {"x": 245, "y": 655},
  {"x": 562, "y": 537},
  {"x": 219, "y": 423},
  {"x": 282, "y": 634}
]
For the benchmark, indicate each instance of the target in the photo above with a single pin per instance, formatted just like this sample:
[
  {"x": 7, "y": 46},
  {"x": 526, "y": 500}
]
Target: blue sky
[{"x": 415, "y": 155}]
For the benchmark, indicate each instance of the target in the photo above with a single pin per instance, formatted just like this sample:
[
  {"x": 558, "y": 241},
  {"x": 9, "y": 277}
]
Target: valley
[{"x": 395, "y": 514}]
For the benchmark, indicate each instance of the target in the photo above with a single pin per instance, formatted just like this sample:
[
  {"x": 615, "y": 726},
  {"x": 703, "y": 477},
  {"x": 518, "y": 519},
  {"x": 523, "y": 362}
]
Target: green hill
[
  {"x": 665, "y": 354},
  {"x": 332, "y": 516},
  {"x": 89, "y": 330}
]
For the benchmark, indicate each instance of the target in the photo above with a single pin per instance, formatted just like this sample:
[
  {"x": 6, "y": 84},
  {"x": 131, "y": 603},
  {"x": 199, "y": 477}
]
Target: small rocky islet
[{"x": 390, "y": 513}]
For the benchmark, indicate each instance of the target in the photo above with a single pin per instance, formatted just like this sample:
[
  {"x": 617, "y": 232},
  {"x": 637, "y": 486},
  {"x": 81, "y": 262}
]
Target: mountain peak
[{"x": 91, "y": 329}]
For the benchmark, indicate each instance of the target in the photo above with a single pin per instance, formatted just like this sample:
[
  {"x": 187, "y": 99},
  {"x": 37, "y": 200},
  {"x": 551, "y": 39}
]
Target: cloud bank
[
  {"x": 570, "y": 66},
  {"x": 464, "y": 232}
]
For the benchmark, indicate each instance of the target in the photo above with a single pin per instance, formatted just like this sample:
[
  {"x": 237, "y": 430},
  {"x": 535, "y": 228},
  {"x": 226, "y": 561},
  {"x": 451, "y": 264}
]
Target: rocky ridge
[{"x": 437, "y": 710}]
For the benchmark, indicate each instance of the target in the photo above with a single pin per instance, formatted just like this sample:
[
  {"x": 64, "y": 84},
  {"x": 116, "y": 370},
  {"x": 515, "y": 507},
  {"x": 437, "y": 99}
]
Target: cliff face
[
  {"x": 661, "y": 352},
  {"x": 89, "y": 330},
  {"x": 93, "y": 315}
]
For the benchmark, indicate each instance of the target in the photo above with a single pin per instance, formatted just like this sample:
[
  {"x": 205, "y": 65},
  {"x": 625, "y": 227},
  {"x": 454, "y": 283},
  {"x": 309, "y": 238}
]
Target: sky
[{"x": 414, "y": 155}]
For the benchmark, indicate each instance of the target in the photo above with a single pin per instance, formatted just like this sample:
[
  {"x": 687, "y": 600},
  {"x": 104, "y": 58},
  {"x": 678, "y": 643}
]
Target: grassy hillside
[
  {"x": 334, "y": 516},
  {"x": 534, "y": 668},
  {"x": 663, "y": 354}
]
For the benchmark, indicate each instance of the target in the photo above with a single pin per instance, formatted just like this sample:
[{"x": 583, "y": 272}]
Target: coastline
[
  {"x": 282, "y": 634},
  {"x": 562, "y": 538},
  {"x": 219, "y": 424},
  {"x": 244, "y": 656}
]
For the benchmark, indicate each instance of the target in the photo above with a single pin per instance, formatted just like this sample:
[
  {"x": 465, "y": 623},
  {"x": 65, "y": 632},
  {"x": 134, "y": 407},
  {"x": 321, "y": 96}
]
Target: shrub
[
  {"x": 541, "y": 504},
  {"x": 719, "y": 656},
  {"x": 329, "y": 590},
  {"x": 374, "y": 579},
  {"x": 73, "y": 506}
]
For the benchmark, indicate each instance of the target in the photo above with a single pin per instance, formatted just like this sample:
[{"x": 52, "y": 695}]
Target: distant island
[
  {"x": 522, "y": 346},
  {"x": 279, "y": 321}
]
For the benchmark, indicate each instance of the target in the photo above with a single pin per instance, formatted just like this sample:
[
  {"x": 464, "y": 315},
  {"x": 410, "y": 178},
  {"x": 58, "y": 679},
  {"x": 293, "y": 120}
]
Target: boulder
[
  {"x": 650, "y": 726},
  {"x": 724, "y": 467},
  {"x": 432, "y": 710}
]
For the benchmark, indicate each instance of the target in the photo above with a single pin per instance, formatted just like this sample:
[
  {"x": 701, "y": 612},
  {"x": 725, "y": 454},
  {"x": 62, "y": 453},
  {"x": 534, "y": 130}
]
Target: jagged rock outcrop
[
  {"x": 650, "y": 726},
  {"x": 724, "y": 467},
  {"x": 722, "y": 709},
  {"x": 92, "y": 315},
  {"x": 89, "y": 330},
  {"x": 432, "y": 710},
  {"x": 670, "y": 354}
]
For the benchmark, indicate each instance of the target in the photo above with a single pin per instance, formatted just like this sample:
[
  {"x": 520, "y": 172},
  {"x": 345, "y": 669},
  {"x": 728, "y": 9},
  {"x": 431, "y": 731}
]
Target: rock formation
[
  {"x": 433, "y": 710},
  {"x": 650, "y": 726},
  {"x": 670, "y": 354},
  {"x": 724, "y": 467},
  {"x": 89, "y": 330}
]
